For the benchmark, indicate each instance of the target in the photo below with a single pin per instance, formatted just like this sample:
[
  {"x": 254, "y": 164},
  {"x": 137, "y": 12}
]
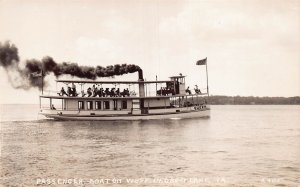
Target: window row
[{"x": 99, "y": 105}]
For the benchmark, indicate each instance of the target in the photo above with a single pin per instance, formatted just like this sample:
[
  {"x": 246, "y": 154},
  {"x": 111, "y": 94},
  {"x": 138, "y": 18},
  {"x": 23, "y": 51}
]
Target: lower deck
[
  {"x": 185, "y": 112},
  {"x": 122, "y": 107}
]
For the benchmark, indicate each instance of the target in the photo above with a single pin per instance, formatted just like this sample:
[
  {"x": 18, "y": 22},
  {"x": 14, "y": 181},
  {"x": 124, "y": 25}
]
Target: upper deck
[
  {"x": 105, "y": 98},
  {"x": 140, "y": 89}
]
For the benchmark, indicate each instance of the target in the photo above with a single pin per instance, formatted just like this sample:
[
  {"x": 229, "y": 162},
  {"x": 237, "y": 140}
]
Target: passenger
[
  {"x": 95, "y": 92},
  {"x": 164, "y": 91},
  {"x": 69, "y": 91},
  {"x": 89, "y": 92},
  {"x": 132, "y": 93},
  {"x": 118, "y": 92},
  {"x": 82, "y": 93},
  {"x": 127, "y": 92},
  {"x": 62, "y": 92},
  {"x": 52, "y": 107},
  {"x": 101, "y": 92},
  {"x": 197, "y": 90},
  {"x": 169, "y": 91},
  {"x": 93, "y": 89},
  {"x": 188, "y": 90},
  {"x": 123, "y": 93},
  {"x": 74, "y": 90},
  {"x": 112, "y": 92},
  {"x": 106, "y": 92}
]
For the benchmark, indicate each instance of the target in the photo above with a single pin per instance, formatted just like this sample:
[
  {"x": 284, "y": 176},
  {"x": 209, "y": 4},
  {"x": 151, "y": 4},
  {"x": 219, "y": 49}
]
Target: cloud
[{"x": 97, "y": 51}]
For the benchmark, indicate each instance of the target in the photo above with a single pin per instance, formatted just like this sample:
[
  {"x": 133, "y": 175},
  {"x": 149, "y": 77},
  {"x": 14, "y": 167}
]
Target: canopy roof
[
  {"x": 102, "y": 98},
  {"x": 111, "y": 82}
]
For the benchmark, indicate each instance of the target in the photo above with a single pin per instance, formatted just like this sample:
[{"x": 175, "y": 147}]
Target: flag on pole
[{"x": 201, "y": 62}]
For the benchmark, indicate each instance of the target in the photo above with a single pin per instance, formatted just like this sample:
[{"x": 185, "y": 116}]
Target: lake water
[{"x": 236, "y": 146}]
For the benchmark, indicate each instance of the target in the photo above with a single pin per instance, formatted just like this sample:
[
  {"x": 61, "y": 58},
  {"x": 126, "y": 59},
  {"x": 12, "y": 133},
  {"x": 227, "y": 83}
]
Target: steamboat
[{"x": 94, "y": 101}]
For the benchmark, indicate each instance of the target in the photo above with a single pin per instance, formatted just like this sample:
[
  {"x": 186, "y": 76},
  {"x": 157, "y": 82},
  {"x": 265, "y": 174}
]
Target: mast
[{"x": 207, "y": 78}]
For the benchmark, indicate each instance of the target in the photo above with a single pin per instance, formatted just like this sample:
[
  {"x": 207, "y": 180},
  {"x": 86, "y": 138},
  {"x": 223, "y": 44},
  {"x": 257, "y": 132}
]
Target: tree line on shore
[{"x": 251, "y": 100}]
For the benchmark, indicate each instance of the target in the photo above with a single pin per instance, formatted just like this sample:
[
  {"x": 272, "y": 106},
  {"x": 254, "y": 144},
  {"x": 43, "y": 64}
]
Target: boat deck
[{"x": 127, "y": 97}]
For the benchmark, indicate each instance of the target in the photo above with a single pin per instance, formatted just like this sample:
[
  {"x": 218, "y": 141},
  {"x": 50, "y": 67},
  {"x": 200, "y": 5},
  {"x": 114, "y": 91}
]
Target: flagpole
[
  {"x": 42, "y": 83},
  {"x": 207, "y": 78}
]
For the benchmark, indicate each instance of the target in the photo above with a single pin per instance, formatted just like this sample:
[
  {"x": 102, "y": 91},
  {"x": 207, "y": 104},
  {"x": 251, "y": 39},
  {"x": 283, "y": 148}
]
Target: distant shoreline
[
  {"x": 251, "y": 100},
  {"x": 234, "y": 100}
]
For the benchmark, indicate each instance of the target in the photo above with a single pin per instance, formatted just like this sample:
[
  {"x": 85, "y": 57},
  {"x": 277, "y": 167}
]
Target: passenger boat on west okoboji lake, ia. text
[{"x": 171, "y": 101}]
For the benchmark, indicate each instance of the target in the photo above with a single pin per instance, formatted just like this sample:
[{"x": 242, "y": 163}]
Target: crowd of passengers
[
  {"x": 166, "y": 91},
  {"x": 96, "y": 91},
  {"x": 113, "y": 92}
]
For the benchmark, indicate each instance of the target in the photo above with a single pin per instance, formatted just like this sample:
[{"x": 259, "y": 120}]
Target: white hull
[{"x": 178, "y": 115}]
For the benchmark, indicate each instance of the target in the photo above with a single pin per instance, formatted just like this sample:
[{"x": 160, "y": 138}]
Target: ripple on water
[{"x": 242, "y": 143}]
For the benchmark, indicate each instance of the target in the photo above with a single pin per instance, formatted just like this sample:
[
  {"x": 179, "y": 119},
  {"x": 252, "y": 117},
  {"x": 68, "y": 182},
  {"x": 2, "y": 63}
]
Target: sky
[{"x": 252, "y": 46}]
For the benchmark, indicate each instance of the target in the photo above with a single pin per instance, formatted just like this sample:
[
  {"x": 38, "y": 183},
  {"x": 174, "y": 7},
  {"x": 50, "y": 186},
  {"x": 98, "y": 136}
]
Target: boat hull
[{"x": 178, "y": 115}]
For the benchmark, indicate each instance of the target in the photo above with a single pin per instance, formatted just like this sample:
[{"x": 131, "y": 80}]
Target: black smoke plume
[{"x": 31, "y": 75}]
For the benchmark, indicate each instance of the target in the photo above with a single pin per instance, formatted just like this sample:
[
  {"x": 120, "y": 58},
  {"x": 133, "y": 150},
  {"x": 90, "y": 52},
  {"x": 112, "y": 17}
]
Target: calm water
[{"x": 237, "y": 146}]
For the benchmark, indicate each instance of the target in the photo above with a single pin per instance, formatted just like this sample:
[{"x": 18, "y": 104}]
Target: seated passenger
[
  {"x": 52, "y": 107},
  {"x": 69, "y": 91},
  {"x": 117, "y": 92},
  {"x": 188, "y": 90},
  {"x": 112, "y": 92},
  {"x": 95, "y": 93},
  {"x": 197, "y": 90},
  {"x": 89, "y": 92},
  {"x": 127, "y": 92},
  {"x": 107, "y": 92},
  {"x": 82, "y": 93},
  {"x": 101, "y": 92},
  {"x": 164, "y": 91},
  {"x": 74, "y": 93},
  {"x": 123, "y": 93},
  {"x": 62, "y": 92},
  {"x": 132, "y": 93}
]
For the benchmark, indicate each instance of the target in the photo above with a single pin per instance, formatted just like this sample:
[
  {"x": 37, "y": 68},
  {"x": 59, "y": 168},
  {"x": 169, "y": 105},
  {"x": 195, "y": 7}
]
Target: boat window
[
  {"x": 124, "y": 104},
  {"x": 81, "y": 105},
  {"x": 106, "y": 104},
  {"x": 89, "y": 105},
  {"x": 98, "y": 105}
]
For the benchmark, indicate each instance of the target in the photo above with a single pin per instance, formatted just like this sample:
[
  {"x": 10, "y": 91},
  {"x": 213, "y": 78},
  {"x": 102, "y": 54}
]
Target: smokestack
[
  {"x": 142, "y": 91},
  {"x": 141, "y": 76}
]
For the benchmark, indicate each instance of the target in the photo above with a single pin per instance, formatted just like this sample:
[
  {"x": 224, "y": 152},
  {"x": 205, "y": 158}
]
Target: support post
[
  {"x": 156, "y": 86},
  {"x": 50, "y": 103},
  {"x": 42, "y": 82},
  {"x": 193, "y": 100}
]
